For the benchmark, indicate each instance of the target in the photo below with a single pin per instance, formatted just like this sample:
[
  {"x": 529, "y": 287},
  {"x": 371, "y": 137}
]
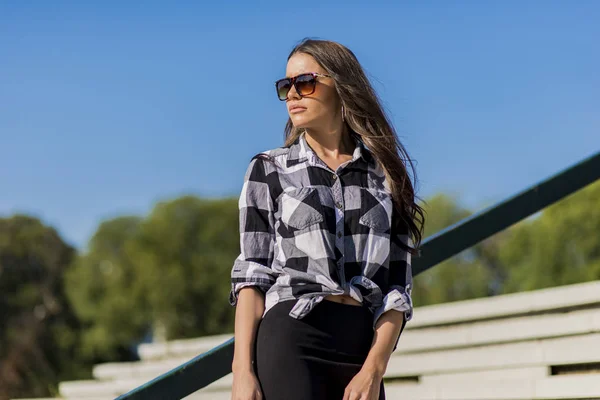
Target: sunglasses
[{"x": 304, "y": 83}]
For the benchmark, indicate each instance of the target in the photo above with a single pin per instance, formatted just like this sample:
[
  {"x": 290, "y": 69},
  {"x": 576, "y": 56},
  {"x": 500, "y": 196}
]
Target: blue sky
[{"x": 106, "y": 108}]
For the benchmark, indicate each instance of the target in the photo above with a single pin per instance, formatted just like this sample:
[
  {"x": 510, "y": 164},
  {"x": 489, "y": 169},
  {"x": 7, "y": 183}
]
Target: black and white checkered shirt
[{"x": 307, "y": 232}]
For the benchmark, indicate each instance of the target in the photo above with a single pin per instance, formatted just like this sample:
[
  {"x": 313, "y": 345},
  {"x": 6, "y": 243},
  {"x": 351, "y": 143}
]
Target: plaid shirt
[{"x": 307, "y": 232}]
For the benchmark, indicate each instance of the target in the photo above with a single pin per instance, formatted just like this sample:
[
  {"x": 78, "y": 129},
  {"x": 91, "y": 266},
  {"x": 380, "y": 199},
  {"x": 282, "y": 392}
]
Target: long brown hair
[{"x": 366, "y": 118}]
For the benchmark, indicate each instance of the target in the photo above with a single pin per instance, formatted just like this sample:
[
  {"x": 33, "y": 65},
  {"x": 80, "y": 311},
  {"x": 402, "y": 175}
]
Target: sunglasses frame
[{"x": 293, "y": 83}]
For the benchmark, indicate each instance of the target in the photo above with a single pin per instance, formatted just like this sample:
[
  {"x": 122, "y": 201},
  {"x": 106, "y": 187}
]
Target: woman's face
[{"x": 318, "y": 110}]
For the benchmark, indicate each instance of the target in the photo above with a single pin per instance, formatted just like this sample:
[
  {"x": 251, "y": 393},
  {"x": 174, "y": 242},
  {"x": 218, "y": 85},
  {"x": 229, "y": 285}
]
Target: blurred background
[{"x": 126, "y": 129}]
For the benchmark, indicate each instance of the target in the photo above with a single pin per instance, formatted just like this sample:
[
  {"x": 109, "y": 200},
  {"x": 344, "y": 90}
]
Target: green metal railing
[{"x": 216, "y": 363}]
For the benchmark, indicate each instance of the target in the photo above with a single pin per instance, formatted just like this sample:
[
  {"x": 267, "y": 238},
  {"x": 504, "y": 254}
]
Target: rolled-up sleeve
[
  {"x": 257, "y": 237},
  {"x": 398, "y": 295}
]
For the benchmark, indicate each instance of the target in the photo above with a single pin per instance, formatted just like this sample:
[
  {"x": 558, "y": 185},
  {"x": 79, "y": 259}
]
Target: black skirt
[{"x": 313, "y": 358}]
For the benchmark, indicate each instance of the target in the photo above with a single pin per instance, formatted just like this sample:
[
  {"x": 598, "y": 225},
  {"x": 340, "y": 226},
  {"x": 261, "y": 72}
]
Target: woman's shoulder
[
  {"x": 278, "y": 152},
  {"x": 271, "y": 159}
]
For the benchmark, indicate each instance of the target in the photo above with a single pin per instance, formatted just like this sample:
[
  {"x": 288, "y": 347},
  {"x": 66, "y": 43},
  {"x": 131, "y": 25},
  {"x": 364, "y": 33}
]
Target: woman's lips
[{"x": 296, "y": 110}]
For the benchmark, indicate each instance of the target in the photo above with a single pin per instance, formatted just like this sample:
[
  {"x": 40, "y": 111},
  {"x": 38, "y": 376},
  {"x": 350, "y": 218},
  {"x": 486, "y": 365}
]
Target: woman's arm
[
  {"x": 249, "y": 310},
  {"x": 367, "y": 383},
  {"x": 248, "y": 313},
  {"x": 386, "y": 334},
  {"x": 251, "y": 277}
]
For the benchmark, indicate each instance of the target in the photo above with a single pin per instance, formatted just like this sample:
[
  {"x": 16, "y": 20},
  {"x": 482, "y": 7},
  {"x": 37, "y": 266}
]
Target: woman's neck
[{"x": 334, "y": 144}]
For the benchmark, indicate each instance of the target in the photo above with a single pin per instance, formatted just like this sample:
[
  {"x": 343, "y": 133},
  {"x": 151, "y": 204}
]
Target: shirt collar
[{"x": 301, "y": 152}]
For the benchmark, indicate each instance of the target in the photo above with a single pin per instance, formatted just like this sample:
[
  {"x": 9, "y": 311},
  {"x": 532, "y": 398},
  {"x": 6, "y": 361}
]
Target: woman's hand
[
  {"x": 364, "y": 386},
  {"x": 245, "y": 386}
]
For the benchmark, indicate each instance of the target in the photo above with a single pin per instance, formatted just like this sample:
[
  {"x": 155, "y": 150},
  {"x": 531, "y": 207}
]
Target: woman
[{"x": 322, "y": 285}]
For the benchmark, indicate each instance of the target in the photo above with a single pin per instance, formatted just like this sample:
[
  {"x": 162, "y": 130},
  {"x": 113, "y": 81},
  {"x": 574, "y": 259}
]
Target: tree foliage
[
  {"x": 458, "y": 278},
  {"x": 103, "y": 286},
  {"x": 559, "y": 247},
  {"x": 38, "y": 332},
  {"x": 183, "y": 253},
  {"x": 165, "y": 275}
]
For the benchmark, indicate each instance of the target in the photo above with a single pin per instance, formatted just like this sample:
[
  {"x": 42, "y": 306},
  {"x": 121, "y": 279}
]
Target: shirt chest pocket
[
  {"x": 301, "y": 207},
  {"x": 376, "y": 210}
]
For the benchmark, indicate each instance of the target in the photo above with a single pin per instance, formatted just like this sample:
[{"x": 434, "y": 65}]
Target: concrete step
[
  {"x": 536, "y": 327},
  {"x": 545, "y": 353},
  {"x": 96, "y": 390},
  {"x": 515, "y": 337},
  {"x": 209, "y": 396},
  {"x": 179, "y": 348},
  {"x": 431, "y": 338},
  {"x": 459, "y": 323},
  {"x": 487, "y": 375},
  {"x": 473, "y": 364},
  {"x": 551, "y": 388},
  {"x": 509, "y": 305},
  {"x": 85, "y": 389},
  {"x": 136, "y": 369},
  {"x": 146, "y": 370}
]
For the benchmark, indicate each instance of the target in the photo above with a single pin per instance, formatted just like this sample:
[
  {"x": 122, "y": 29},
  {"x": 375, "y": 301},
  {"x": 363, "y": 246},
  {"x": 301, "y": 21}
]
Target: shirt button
[
  {"x": 338, "y": 205},
  {"x": 339, "y": 234},
  {"x": 334, "y": 177}
]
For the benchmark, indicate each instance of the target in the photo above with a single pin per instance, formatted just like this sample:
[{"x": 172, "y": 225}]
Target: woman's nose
[{"x": 293, "y": 94}]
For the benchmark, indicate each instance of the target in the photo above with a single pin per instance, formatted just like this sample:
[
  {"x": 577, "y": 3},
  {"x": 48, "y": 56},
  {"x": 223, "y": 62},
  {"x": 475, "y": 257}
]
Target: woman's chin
[{"x": 301, "y": 122}]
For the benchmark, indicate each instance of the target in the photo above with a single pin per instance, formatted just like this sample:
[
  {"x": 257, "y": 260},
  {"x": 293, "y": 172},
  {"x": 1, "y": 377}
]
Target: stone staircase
[{"x": 542, "y": 344}]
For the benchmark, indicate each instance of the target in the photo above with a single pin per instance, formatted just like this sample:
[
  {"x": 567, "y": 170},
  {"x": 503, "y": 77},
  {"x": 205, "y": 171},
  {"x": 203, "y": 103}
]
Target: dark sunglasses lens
[
  {"x": 305, "y": 84},
  {"x": 283, "y": 87}
]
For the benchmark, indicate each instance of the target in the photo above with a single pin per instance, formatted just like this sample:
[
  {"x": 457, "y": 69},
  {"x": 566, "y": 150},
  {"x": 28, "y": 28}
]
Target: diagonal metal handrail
[
  {"x": 472, "y": 230},
  {"x": 206, "y": 368}
]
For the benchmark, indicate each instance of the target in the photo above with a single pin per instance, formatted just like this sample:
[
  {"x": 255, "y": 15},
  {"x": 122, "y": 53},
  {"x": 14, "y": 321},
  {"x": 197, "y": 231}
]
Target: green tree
[
  {"x": 460, "y": 277},
  {"x": 185, "y": 250},
  {"x": 167, "y": 274},
  {"x": 38, "y": 332},
  {"x": 104, "y": 287},
  {"x": 559, "y": 247}
]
